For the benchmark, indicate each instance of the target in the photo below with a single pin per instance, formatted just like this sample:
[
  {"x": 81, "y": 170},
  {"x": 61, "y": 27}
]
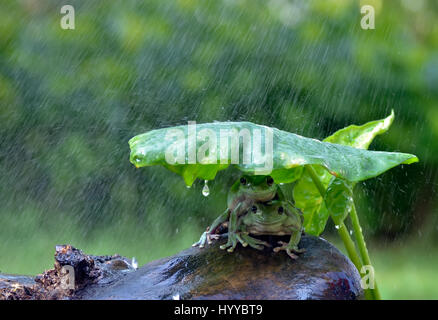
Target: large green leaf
[
  {"x": 361, "y": 136},
  {"x": 306, "y": 194},
  {"x": 289, "y": 152}
]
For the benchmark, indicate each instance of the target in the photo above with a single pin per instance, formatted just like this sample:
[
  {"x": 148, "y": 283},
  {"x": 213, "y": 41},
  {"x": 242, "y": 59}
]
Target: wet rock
[{"x": 322, "y": 272}]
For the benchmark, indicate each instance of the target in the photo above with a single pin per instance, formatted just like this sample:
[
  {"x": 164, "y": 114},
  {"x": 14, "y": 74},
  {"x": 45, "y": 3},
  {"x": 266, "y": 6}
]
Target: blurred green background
[{"x": 71, "y": 99}]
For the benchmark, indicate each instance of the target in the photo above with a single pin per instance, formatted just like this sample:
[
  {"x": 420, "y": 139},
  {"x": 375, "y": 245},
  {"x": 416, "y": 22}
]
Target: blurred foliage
[{"x": 71, "y": 99}]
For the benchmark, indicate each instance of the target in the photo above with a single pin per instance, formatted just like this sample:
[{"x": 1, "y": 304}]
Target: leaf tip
[{"x": 412, "y": 159}]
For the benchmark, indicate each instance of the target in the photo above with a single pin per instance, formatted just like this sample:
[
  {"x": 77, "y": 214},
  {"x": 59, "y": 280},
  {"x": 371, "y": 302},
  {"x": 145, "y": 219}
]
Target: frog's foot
[
  {"x": 205, "y": 237},
  {"x": 202, "y": 240},
  {"x": 289, "y": 249},
  {"x": 253, "y": 242},
  {"x": 233, "y": 239}
]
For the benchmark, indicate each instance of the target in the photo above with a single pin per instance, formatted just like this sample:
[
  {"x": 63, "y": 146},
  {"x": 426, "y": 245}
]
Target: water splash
[{"x": 134, "y": 263}]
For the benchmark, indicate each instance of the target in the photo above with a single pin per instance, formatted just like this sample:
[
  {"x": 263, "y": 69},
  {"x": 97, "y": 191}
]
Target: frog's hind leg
[
  {"x": 292, "y": 247},
  {"x": 234, "y": 238},
  {"x": 209, "y": 235},
  {"x": 252, "y": 242},
  {"x": 290, "y": 250}
]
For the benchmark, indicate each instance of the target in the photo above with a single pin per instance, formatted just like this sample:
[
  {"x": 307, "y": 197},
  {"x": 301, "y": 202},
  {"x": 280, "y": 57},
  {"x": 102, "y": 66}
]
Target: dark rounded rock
[{"x": 322, "y": 272}]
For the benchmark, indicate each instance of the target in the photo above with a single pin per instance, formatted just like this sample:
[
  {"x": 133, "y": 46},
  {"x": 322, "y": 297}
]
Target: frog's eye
[
  {"x": 242, "y": 180},
  {"x": 280, "y": 210},
  {"x": 254, "y": 209},
  {"x": 269, "y": 181}
]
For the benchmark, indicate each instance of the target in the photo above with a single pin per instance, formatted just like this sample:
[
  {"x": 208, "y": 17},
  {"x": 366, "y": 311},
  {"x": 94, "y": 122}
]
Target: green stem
[
  {"x": 360, "y": 240},
  {"x": 343, "y": 233},
  {"x": 349, "y": 245},
  {"x": 316, "y": 180}
]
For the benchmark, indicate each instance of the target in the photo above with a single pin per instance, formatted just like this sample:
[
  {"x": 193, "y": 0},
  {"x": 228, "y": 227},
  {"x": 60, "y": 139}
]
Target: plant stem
[
  {"x": 316, "y": 180},
  {"x": 349, "y": 245},
  {"x": 344, "y": 234},
  {"x": 360, "y": 240},
  {"x": 342, "y": 229}
]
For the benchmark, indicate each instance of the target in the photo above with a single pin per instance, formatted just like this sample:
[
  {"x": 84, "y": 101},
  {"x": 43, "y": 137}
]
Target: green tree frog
[
  {"x": 277, "y": 218},
  {"x": 243, "y": 194}
]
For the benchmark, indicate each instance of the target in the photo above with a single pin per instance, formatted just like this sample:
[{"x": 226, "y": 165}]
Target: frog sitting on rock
[
  {"x": 275, "y": 218},
  {"x": 243, "y": 194},
  {"x": 257, "y": 206}
]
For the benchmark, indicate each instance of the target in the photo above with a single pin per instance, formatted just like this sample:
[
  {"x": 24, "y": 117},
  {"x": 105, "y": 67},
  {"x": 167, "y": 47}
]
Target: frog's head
[
  {"x": 260, "y": 188},
  {"x": 266, "y": 215},
  {"x": 274, "y": 218}
]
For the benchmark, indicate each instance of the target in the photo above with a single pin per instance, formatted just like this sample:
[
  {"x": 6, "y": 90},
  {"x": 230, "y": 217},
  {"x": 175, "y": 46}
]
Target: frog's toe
[
  {"x": 226, "y": 246},
  {"x": 231, "y": 243},
  {"x": 292, "y": 249},
  {"x": 255, "y": 243},
  {"x": 296, "y": 250},
  {"x": 202, "y": 240},
  {"x": 211, "y": 237},
  {"x": 290, "y": 254},
  {"x": 242, "y": 242},
  {"x": 233, "y": 246},
  {"x": 229, "y": 246},
  {"x": 289, "y": 250},
  {"x": 198, "y": 244}
]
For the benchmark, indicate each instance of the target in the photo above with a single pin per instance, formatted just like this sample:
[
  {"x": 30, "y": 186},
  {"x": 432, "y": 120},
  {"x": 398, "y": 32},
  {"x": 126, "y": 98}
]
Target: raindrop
[
  {"x": 206, "y": 189},
  {"x": 351, "y": 232},
  {"x": 337, "y": 226},
  {"x": 188, "y": 187}
]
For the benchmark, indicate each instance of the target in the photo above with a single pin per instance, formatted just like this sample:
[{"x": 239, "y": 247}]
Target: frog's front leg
[
  {"x": 208, "y": 235},
  {"x": 292, "y": 246},
  {"x": 233, "y": 235}
]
